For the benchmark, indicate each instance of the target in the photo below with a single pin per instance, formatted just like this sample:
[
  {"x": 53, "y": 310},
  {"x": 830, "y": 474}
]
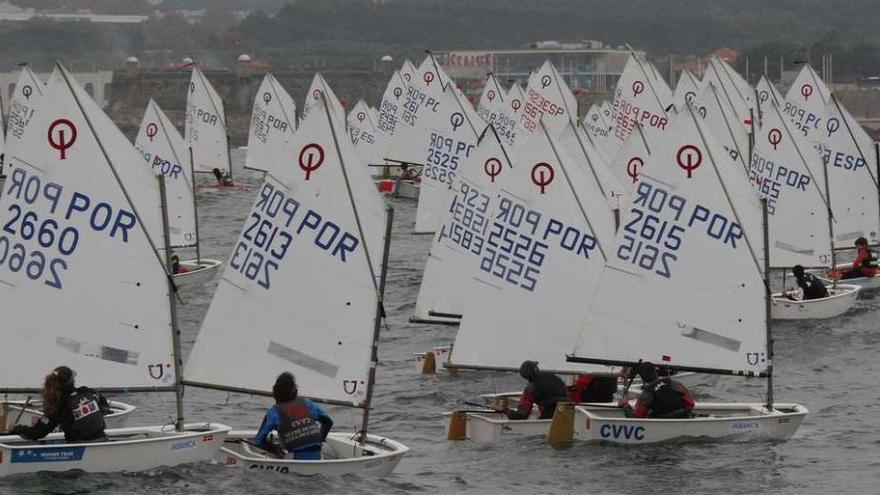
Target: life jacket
[
  {"x": 813, "y": 287},
  {"x": 549, "y": 389},
  {"x": 669, "y": 399},
  {"x": 88, "y": 419},
  {"x": 298, "y": 429}
]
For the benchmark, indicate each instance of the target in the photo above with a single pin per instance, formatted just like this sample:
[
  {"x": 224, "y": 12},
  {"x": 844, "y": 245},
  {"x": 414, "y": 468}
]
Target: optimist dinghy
[
  {"x": 556, "y": 208},
  {"x": 76, "y": 243},
  {"x": 692, "y": 191},
  {"x": 310, "y": 267},
  {"x": 789, "y": 172},
  {"x": 165, "y": 152},
  {"x": 205, "y": 129}
]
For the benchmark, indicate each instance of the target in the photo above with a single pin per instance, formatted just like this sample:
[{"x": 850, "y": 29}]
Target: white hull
[
  {"x": 864, "y": 282},
  {"x": 341, "y": 455},
  {"x": 492, "y": 427},
  {"x": 714, "y": 421},
  {"x": 200, "y": 272},
  {"x": 407, "y": 189},
  {"x": 840, "y": 300},
  {"x": 129, "y": 449},
  {"x": 117, "y": 418}
]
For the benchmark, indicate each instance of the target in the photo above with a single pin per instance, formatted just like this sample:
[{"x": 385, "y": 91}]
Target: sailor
[
  {"x": 406, "y": 173},
  {"x": 543, "y": 389},
  {"x": 661, "y": 398},
  {"x": 809, "y": 286},
  {"x": 78, "y": 410},
  {"x": 223, "y": 179},
  {"x": 593, "y": 388},
  {"x": 176, "y": 267},
  {"x": 865, "y": 264},
  {"x": 301, "y": 425}
]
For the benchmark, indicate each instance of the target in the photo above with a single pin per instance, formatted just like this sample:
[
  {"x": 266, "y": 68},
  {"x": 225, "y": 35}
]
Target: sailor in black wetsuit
[
  {"x": 661, "y": 398},
  {"x": 812, "y": 287},
  {"x": 79, "y": 411},
  {"x": 543, "y": 389}
]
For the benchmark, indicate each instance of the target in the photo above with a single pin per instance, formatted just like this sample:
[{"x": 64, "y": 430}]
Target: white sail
[
  {"x": 434, "y": 131},
  {"x": 714, "y": 108},
  {"x": 28, "y": 91},
  {"x": 82, "y": 283},
  {"x": 273, "y": 122},
  {"x": 806, "y": 102},
  {"x": 163, "y": 151},
  {"x": 637, "y": 103},
  {"x": 548, "y": 99},
  {"x": 631, "y": 159},
  {"x": 390, "y": 109},
  {"x": 734, "y": 96},
  {"x": 687, "y": 89},
  {"x": 594, "y": 122},
  {"x": 766, "y": 92},
  {"x": 205, "y": 128},
  {"x": 321, "y": 88},
  {"x": 788, "y": 171},
  {"x": 408, "y": 71},
  {"x": 491, "y": 101},
  {"x": 540, "y": 263},
  {"x": 461, "y": 236},
  {"x": 299, "y": 279},
  {"x": 578, "y": 145},
  {"x": 663, "y": 297},
  {"x": 367, "y": 141},
  {"x": 506, "y": 124},
  {"x": 852, "y": 181}
]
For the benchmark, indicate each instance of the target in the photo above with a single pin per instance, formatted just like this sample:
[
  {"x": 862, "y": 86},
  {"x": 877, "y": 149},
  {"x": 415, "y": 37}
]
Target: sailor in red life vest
[
  {"x": 661, "y": 398},
  {"x": 543, "y": 389},
  {"x": 301, "y": 424},
  {"x": 865, "y": 264},
  {"x": 593, "y": 388},
  {"x": 176, "y": 267}
]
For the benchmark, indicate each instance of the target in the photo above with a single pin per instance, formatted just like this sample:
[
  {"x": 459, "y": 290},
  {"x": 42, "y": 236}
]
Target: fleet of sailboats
[{"x": 543, "y": 220}]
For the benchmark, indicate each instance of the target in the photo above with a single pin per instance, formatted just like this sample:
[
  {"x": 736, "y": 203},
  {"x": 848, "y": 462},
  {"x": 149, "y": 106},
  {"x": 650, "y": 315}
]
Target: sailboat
[
  {"x": 538, "y": 287},
  {"x": 789, "y": 172},
  {"x": 164, "y": 152},
  {"x": 75, "y": 242},
  {"x": 303, "y": 267},
  {"x": 28, "y": 91},
  {"x": 689, "y": 210},
  {"x": 273, "y": 123},
  {"x": 205, "y": 128}
]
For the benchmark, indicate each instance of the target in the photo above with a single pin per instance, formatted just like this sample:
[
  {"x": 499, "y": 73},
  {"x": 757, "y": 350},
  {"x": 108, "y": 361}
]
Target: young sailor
[
  {"x": 79, "y": 411},
  {"x": 865, "y": 264},
  {"x": 222, "y": 179},
  {"x": 661, "y": 398},
  {"x": 543, "y": 389},
  {"x": 301, "y": 425},
  {"x": 809, "y": 286}
]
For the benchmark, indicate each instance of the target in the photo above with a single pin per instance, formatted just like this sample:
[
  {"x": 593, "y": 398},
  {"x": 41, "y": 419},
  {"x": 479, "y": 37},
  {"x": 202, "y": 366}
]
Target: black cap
[
  {"x": 66, "y": 374},
  {"x": 647, "y": 371}
]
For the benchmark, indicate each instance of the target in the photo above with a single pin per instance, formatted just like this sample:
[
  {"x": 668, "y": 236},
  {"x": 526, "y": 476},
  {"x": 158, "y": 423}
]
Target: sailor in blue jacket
[{"x": 301, "y": 425}]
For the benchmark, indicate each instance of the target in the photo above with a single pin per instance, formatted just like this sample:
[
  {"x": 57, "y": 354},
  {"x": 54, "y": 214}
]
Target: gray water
[{"x": 831, "y": 367}]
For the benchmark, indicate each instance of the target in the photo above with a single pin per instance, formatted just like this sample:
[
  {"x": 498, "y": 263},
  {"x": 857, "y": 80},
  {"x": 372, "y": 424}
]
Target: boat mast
[
  {"x": 172, "y": 294},
  {"x": 767, "y": 303},
  {"x": 830, "y": 219},
  {"x": 192, "y": 169},
  {"x": 380, "y": 287},
  {"x": 377, "y": 325}
]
